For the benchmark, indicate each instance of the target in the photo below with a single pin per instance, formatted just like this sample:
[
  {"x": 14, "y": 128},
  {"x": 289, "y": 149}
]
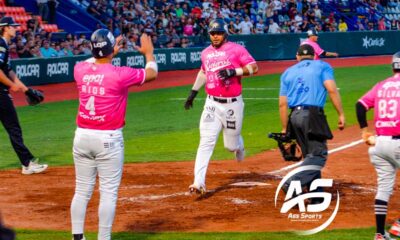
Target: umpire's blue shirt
[{"x": 303, "y": 83}]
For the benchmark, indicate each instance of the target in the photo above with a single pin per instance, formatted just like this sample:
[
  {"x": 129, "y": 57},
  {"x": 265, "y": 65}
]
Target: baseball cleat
[
  {"x": 34, "y": 167},
  {"x": 197, "y": 190},
  {"x": 379, "y": 236},
  {"x": 239, "y": 154},
  {"x": 395, "y": 228}
]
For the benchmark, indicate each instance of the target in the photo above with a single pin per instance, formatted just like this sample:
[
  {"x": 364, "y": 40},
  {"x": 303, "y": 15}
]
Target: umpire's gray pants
[{"x": 315, "y": 152}]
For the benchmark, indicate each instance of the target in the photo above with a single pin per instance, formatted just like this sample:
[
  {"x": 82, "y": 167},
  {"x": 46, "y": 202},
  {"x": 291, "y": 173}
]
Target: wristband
[
  {"x": 152, "y": 65},
  {"x": 239, "y": 71}
]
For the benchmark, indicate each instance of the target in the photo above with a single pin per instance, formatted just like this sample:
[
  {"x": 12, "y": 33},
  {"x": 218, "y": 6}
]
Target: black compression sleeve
[
  {"x": 361, "y": 115},
  {"x": 323, "y": 54}
]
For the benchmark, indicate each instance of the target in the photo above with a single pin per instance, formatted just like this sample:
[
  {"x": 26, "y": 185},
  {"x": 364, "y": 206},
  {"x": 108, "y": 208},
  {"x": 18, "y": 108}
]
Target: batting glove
[
  {"x": 189, "y": 100},
  {"x": 226, "y": 73}
]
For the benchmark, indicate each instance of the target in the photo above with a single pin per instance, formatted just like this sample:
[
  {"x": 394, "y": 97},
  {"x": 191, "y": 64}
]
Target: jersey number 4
[
  {"x": 90, "y": 106},
  {"x": 387, "y": 108}
]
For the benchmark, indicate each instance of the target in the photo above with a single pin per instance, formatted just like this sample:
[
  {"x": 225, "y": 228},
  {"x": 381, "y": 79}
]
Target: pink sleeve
[
  {"x": 317, "y": 49},
  {"x": 245, "y": 57},
  {"x": 132, "y": 76},
  {"x": 368, "y": 100}
]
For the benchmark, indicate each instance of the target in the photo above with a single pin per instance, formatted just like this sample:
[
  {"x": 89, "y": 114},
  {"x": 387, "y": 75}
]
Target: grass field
[
  {"x": 353, "y": 234},
  {"x": 159, "y": 129}
]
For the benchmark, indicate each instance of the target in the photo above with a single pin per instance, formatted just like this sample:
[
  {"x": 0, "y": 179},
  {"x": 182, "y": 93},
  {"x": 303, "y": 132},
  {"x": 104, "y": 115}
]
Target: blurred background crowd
[{"x": 182, "y": 24}]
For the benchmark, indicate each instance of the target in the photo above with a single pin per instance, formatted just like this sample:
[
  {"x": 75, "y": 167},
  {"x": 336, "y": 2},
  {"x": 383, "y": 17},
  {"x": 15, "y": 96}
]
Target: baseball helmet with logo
[
  {"x": 216, "y": 25},
  {"x": 102, "y": 42},
  {"x": 396, "y": 61},
  {"x": 312, "y": 32}
]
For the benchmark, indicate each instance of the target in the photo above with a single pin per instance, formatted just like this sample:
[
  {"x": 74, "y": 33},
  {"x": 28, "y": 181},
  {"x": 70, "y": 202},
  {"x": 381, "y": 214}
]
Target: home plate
[{"x": 249, "y": 184}]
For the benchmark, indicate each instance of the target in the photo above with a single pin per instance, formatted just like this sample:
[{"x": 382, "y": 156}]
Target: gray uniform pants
[{"x": 314, "y": 151}]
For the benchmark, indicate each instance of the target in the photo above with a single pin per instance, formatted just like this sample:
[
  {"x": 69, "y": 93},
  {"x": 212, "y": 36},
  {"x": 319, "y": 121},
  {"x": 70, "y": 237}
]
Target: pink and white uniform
[
  {"x": 98, "y": 147},
  {"x": 317, "y": 49},
  {"x": 384, "y": 97},
  {"x": 229, "y": 55},
  {"x": 103, "y": 93},
  {"x": 224, "y": 106}
]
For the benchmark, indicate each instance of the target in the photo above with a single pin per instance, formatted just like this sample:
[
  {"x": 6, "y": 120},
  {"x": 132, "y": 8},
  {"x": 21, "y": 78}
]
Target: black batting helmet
[
  {"x": 396, "y": 61},
  {"x": 102, "y": 42},
  {"x": 216, "y": 25},
  {"x": 312, "y": 32}
]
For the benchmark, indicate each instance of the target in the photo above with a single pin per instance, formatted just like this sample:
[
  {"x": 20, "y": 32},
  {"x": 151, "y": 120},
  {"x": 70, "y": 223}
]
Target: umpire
[
  {"x": 8, "y": 115},
  {"x": 303, "y": 89}
]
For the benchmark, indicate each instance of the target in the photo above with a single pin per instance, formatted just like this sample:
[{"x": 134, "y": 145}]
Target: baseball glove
[
  {"x": 289, "y": 148},
  {"x": 34, "y": 97}
]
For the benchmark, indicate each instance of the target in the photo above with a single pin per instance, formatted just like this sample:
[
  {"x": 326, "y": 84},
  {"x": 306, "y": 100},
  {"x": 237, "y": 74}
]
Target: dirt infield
[{"x": 153, "y": 196}]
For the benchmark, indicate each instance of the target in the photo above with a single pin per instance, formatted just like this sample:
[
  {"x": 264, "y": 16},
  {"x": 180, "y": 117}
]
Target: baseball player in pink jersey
[
  {"x": 318, "y": 51},
  {"x": 98, "y": 145},
  {"x": 223, "y": 65},
  {"x": 384, "y": 151}
]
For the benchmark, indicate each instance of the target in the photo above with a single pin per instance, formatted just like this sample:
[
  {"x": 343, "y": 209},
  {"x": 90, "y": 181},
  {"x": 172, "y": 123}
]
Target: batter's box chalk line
[{"x": 349, "y": 145}]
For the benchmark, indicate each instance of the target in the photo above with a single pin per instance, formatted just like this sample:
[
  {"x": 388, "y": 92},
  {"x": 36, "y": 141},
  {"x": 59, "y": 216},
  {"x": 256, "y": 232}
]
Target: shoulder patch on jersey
[{"x": 2, "y": 49}]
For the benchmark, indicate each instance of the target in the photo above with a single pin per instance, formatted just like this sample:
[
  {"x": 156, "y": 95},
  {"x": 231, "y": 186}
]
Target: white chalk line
[
  {"x": 142, "y": 198},
  {"x": 354, "y": 143}
]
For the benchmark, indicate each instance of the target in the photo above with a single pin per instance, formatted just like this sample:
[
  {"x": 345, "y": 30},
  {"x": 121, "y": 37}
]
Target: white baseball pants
[
  {"x": 101, "y": 153},
  {"x": 215, "y": 117},
  {"x": 385, "y": 156}
]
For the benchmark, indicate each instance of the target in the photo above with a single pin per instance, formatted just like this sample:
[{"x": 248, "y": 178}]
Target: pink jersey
[
  {"x": 229, "y": 55},
  {"x": 385, "y": 98},
  {"x": 103, "y": 93},
  {"x": 317, "y": 49}
]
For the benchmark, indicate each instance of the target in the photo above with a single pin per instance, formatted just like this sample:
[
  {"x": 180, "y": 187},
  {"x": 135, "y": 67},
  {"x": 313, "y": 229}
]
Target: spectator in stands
[
  {"x": 260, "y": 27},
  {"x": 23, "y": 50},
  {"x": 305, "y": 26},
  {"x": 394, "y": 24},
  {"x": 318, "y": 13},
  {"x": 43, "y": 8},
  {"x": 65, "y": 49},
  {"x": 359, "y": 26},
  {"x": 273, "y": 27},
  {"x": 262, "y": 6},
  {"x": 53, "y": 4},
  {"x": 85, "y": 46},
  {"x": 246, "y": 27},
  {"x": 185, "y": 43},
  {"x": 232, "y": 30},
  {"x": 298, "y": 19},
  {"x": 13, "y": 51},
  {"x": 46, "y": 50},
  {"x": 155, "y": 41},
  {"x": 33, "y": 24},
  {"x": 382, "y": 24},
  {"x": 342, "y": 27},
  {"x": 35, "y": 52},
  {"x": 188, "y": 28},
  {"x": 131, "y": 42},
  {"x": 371, "y": 26}
]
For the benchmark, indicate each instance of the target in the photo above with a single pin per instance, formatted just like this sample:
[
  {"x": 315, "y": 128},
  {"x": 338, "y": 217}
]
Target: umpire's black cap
[
  {"x": 8, "y": 21},
  {"x": 305, "y": 50}
]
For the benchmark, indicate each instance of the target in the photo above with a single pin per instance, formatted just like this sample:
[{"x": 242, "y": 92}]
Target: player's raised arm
[{"x": 146, "y": 48}]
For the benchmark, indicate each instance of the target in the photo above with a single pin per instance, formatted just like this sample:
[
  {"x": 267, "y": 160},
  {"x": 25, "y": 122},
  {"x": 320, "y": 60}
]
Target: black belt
[
  {"x": 396, "y": 137},
  {"x": 223, "y": 100},
  {"x": 306, "y": 107}
]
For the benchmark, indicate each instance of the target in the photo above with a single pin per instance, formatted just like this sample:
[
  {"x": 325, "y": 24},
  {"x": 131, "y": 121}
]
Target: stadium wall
[{"x": 40, "y": 71}]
